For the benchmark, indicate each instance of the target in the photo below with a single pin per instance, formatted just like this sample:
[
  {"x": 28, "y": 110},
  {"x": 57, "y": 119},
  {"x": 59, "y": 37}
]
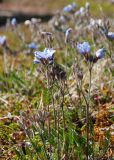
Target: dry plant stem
[
  {"x": 87, "y": 120},
  {"x": 70, "y": 95},
  {"x": 87, "y": 111},
  {"x": 73, "y": 19},
  {"x": 5, "y": 60},
  {"x": 54, "y": 110},
  {"x": 90, "y": 72},
  {"x": 7, "y": 50},
  {"x": 53, "y": 103},
  {"x": 61, "y": 105},
  {"x": 87, "y": 124},
  {"x": 66, "y": 55},
  {"x": 48, "y": 105},
  {"x": 58, "y": 138},
  {"x": 79, "y": 94},
  {"x": 13, "y": 63},
  {"x": 19, "y": 35},
  {"x": 63, "y": 117},
  {"x": 93, "y": 38},
  {"x": 49, "y": 128},
  {"x": 110, "y": 53},
  {"x": 90, "y": 77}
]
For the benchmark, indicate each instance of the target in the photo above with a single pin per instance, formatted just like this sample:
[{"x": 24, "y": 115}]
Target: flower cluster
[
  {"x": 45, "y": 57},
  {"x": 32, "y": 46},
  {"x": 83, "y": 10},
  {"x": 70, "y": 7},
  {"x": 84, "y": 49},
  {"x": 14, "y": 22},
  {"x": 110, "y": 35}
]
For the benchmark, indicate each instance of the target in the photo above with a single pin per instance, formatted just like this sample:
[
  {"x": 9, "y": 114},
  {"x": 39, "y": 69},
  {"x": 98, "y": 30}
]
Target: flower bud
[{"x": 101, "y": 53}]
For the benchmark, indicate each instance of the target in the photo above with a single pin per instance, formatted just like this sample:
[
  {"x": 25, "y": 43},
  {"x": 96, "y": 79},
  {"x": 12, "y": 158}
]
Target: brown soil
[{"x": 32, "y": 7}]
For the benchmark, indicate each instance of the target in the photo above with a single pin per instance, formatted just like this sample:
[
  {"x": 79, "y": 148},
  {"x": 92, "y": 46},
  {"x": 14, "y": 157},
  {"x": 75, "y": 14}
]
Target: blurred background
[{"x": 36, "y": 8}]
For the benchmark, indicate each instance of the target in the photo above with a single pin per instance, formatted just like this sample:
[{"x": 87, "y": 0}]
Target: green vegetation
[{"x": 63, "y": 107}]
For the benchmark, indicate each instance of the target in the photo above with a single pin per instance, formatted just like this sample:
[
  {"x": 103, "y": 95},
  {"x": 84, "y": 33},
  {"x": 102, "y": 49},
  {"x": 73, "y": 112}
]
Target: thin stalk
[
  {"x": 69, "y": 95},
  {"x": 53, "y": 103},
  {"x": 63, "y": 115},
  {"x": 46, "y": 155},
  {"x": 5, "y": 61},
  {"x": 110, "y": 54},
  {"x": 83, "y": 94},
  {"x": 61, "y": 105},
  {"x": 90, "y": 78},
  {"x": 54, "y": 110},
  {"x": 49, "y": 128},
  {"x": 58, "y": 138},
  {"x": 90, "y": 74},
  {"x": 87, "y": 121},
  {"x": 87, "y": 128},
  {"x": 87, "y": 110},
  {"x": 66, "y": 55}
]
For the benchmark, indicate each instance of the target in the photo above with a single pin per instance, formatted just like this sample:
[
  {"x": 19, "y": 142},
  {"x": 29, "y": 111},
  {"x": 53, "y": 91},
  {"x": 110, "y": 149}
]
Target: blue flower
[
  {"x": 101, "y": 53},
  {"x": 67, "y": 34},
  {"x": 45, "y": 57},
  {"x": 74, "y": 5},
  {"x": 68, "y": 31},
  {"x": 110, "y": 35},
  {"x": 14, "y": 22},
  {"x": 2, "y": 40},
  {"x": 32, "y": 46},
  {"x": 83, "y": 48},
  {"x": 70, "y": 7},
  {"x": 36, "y": 60},
  {"x": 82, "y": 11}
]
